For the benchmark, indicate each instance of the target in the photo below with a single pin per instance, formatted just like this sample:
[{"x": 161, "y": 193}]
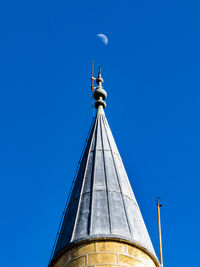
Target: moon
[{"x": 103, "y": 38}]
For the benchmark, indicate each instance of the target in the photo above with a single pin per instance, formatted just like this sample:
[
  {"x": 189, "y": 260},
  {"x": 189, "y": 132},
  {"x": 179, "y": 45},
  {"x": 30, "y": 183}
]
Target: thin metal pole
[
  {"x": 92, "y": 87},
  {"x": 92, "y": 78},
  {"x": 159, "y": 231}
]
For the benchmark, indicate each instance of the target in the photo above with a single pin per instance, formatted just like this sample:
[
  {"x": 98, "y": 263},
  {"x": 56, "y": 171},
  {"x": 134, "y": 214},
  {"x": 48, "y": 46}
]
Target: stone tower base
[{"x": 105, "y": 254}]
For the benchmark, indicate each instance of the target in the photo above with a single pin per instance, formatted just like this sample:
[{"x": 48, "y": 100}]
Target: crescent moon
[{"x": 103, "y": 38}]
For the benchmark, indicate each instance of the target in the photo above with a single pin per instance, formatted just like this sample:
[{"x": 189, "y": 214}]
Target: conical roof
[{"x": 102, "y": 203}]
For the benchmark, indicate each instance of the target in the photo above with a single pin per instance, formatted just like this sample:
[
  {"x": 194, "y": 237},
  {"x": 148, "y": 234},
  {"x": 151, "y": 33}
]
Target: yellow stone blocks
[
  {"x": 82, "y": 250},
  {"x": 105, "y": 254},
  {"x": 129, "y": 261},
  {"x": 111, "y": 246},
  {"x": 99, "y": 258}
]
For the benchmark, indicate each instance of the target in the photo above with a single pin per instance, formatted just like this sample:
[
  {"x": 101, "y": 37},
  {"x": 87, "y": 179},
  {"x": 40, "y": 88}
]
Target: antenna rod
[
  {"x": 92, "y": 87},
  {"x": 92, "y": 77},
  {"x": 159, "y": 230}
]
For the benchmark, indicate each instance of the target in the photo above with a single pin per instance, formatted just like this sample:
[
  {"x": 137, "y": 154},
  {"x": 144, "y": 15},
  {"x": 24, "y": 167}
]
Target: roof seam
[
  {"x": 118, "y": 182},
  {"x": 109, "y": 217},
  {"x": 93, "y": 180},
  {"x": 80, "y": 199}
]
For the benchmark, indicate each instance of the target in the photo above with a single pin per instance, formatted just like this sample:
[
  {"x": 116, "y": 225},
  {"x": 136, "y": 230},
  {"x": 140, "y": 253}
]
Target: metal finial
[{"x": 100, "y": 94}]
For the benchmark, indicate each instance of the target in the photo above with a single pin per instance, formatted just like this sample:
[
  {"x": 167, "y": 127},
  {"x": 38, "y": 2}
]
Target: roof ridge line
[
  {"x": 109, "y": 217},
  {"x": 93, "y": 182}
]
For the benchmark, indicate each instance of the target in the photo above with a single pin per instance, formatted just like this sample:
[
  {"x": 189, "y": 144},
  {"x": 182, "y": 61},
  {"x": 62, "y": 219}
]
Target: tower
[{"x": 102, "y": 225}]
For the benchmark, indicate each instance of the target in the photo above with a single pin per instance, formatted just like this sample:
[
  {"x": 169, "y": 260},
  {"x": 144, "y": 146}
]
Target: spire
[{"x": 102, "y": 203}]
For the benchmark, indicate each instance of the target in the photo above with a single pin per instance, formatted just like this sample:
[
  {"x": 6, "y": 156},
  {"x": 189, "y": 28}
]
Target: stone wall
[{"x": 105, "y": 254}]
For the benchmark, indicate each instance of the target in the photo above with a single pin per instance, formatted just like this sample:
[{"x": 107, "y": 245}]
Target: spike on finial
[{"x": 99, "y": 71}]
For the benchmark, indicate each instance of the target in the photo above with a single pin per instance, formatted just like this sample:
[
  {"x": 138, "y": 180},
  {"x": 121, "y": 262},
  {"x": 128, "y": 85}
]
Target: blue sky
[{"x": 151, "y": 69}]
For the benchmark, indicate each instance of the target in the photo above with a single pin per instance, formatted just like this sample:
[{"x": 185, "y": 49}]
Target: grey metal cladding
[
  {"x": 100, "y": 218},
  {"x": 102, "y": 203}
]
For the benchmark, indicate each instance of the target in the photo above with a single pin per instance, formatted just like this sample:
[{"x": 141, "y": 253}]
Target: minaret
[{"x": 103, "y": 225}]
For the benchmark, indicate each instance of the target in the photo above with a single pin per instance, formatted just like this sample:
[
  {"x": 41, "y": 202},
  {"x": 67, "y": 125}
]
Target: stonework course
[{"x": 105, "y": 254}]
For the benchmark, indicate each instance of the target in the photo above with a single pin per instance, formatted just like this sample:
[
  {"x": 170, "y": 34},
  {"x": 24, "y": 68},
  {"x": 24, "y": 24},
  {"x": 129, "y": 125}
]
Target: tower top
[{"x": 102, "y": 203}]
